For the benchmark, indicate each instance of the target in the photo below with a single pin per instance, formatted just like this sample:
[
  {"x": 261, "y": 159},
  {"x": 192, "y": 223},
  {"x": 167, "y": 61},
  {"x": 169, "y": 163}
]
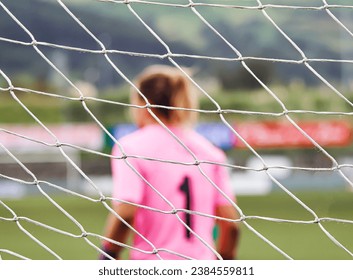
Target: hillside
[{"x": 247, "y": 30}]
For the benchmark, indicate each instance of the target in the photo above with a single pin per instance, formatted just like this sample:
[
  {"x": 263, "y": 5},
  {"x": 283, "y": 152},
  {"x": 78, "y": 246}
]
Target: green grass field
[{"x": 300, "y": 241}]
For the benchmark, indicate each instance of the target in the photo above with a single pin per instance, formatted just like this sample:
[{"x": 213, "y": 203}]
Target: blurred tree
[{"x": 241, "y": 78}]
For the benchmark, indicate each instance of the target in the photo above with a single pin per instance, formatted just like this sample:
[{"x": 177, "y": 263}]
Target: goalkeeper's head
[{"x": 170, "y": 89}]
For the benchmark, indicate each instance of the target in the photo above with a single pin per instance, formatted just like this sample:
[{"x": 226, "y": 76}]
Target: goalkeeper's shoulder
[
  {"x": 130, "y": 142},
  {"x": 212, "y": 152}
]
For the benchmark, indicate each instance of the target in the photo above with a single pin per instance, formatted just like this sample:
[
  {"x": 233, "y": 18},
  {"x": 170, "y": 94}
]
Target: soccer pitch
[{"x": 299, "y": 241}]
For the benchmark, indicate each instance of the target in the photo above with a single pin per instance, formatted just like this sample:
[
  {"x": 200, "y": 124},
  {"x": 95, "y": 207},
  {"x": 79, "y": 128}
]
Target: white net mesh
[{"x": 119, "y": 61}]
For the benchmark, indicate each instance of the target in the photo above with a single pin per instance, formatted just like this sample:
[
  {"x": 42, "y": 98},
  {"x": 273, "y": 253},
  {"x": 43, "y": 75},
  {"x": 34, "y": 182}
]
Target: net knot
[
  {"x": 191, "y": 4},
  {"x": 304, "y": 60},
  {"x": 84, "y": 234},
  {"x": 104, "y": 51}
]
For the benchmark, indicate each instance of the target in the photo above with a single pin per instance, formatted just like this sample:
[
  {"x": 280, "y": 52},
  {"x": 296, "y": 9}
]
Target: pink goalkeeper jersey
[{"x": 182, "y": 186}]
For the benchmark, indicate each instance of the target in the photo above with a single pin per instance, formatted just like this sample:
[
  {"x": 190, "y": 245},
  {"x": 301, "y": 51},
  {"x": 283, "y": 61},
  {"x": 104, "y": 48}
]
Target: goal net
[{"x": 275, "y": 84}]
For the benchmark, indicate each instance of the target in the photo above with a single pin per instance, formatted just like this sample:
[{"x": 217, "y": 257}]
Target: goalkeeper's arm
[
  {"x": 229, "y": 232},
  {"x": 117, "y": 230}
]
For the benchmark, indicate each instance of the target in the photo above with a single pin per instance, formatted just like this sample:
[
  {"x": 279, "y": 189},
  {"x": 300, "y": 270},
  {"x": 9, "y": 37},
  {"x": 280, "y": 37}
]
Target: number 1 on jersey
[{"x": 185, "y": 188}]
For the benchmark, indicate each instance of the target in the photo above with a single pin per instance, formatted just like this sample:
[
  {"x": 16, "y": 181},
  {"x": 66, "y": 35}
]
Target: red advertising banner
[{"x": 286, "y": 135}]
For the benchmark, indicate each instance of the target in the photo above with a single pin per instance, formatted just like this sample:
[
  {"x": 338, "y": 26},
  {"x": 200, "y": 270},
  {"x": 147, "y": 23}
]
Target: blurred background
[{"x": 319, "y": 101}]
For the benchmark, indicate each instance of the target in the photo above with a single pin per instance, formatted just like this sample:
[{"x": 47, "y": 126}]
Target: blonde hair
[{"x": 168, "y": 87}]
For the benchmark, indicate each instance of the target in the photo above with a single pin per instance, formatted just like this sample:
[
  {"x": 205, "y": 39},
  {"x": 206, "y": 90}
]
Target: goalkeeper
[{"x": 174, "y": 234}]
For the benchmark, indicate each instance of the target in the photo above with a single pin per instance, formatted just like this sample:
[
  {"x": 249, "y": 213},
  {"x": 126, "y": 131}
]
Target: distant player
[{"x": 181, "y": 185}]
